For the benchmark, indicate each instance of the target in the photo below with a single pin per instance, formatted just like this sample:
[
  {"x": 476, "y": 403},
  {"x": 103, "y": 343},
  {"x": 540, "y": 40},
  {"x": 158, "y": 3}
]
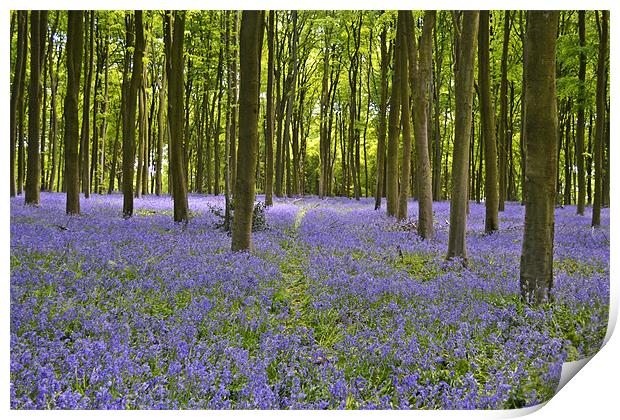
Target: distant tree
[
  {"x": 581, "y": 126},
  {"x": 17, "y": 88},
  {"x": 38, "y": 31},
  {"x": 505, "y": 142},
  {"x": 541, "y": 128},
  {"x": 464, "y": 81},
  {"x": 75, "y": 41},
  {"x": 85, "y": 135},
  {"x": 250, "y": 46},
  {"x": 599, "y": 133},
  {"x": 174, "y": 57},
  {"x": 491, "y": 222}
]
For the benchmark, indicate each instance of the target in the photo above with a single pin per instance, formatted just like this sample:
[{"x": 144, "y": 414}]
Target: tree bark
[
  {"x": 382, "y": 126},
  {"x": 75, "y": 40},
  {"x": 487, "y": 116},
  {"x": 408, "y": 54},
  {"x": 174, "y": 57},
  {"x": 599, "y": 133},
  {"x": 464, "y": 80},
  {"x": 129, "y": 130},
  {"x": 421, "y": 124},
  {"x": 38, "y": 31},
  {"x": 17, "y": 88},
  {"x": 536, "y": 278},
  {"x": 393, "y": 129},
  {"x": 269, "y": 123},
  {"x": 503, "y": 117},
  {"x": 251, "y": 28},
  {"x": 85, "y": 136}
]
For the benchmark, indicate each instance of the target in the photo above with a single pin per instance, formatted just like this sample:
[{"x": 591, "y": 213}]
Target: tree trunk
[
  {"x": 17, "y": 88},
  {"x": 269, "y": 123},
  {"x": 536, "y": 279},
  {"x": 174, "y": 58},
  {"x": 382, "y": 126},
  {"x": 421, "y": 124},
  {"x": 409, "y": 54},
  {"x": 85, "y": 136},
  {"x": 38, "y": 32},
  {"x": 75, "y": 40},
  {"x": 464, "y": 80},
  {"x": 503, "y": 115},
  {"x": 129, "y": 130},
  {"x": 160, "y": 131},
  {"x": 251, "y": 28},
  {"x": 487, "y": 117},
  {"x": 393, "y": 129},
  {"x": 599, "y": 133}
]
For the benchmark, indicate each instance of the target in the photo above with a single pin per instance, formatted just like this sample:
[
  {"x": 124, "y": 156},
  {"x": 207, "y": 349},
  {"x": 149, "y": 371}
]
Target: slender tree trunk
[
  {"x": 503, "y": 115},
  {"x": 38, "y": 32},
  {"x": 409, "y": 54},
  {"x": 393, "y": 129},
  {"x": 251, "y": 28},
  {"x": 17, "y": 88},
  {"x": 129, "y": 131},
  {"x": 233, "y": 107},
  {"x": 269, "y": 124},
  {"x": 174, "y": 58},
  {"x": 161, "y": 131},
  {"x": 541, "y": 122},
  {"x": 85, "y": 136},
  {"x": 382, "y": 126},
  {"x": 599, "y": 133},
  {"x": 464, "y": 80},
  {"x": 487, "y": 117},
  {"x": 75, "y": 40}
]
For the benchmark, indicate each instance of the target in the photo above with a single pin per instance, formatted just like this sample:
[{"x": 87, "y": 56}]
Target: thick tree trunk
[
  {"x": 174, "y": 59},
  {"x": 541, "y": 122},
  {"x": 17, "y": 88},
  {"x": 75, "y": 40},
  {"x": 487, "y": 117},
  {"x": 599, "y": 133},
  {"x": 251, "y": 28},
  {"x": 129, "y": 130},
  {"x": 464, "y": 80},
  {"x": 38, "y": 32},
  {"x": 421, "y": 124}
]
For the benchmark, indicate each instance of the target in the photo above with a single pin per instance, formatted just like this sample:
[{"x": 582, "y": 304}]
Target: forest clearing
[{"x": 305, "y": 209}]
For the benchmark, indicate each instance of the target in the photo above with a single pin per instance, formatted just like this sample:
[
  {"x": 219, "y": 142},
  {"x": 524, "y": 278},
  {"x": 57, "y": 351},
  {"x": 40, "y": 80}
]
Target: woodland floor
[{"x": 338, "y": 307}]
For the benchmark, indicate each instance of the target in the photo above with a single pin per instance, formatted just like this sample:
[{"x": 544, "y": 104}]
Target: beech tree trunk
[
  {"x": 269, "y": 123},
  {"x": 541, "y": 120},
  {"x": 503, "y": 116},
  {"x": 17, "y": 89},
  {"x": 394, "y": 128},
  {"x": 599, "y": 133},
  {"x": 487, "y": 117},
  {"x": 129, "y": 121},
  {"x": 421, "y": 124},
  {"x": 250, "y": 36},
  {"x": 464, "y": 81},
  {"x": 75, "y": 40},
  {"x": 382, "y": 126},
  {"x": 38, "y": 32},
  {"x": 174, "y": 58}
]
